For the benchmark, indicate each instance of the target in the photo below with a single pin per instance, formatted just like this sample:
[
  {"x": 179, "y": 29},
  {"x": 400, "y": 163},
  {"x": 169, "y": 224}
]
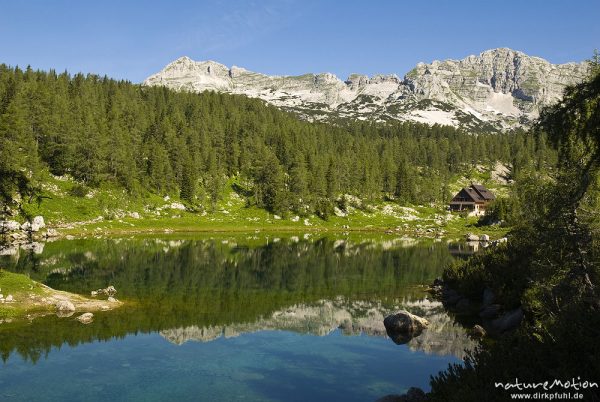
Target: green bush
[{"x": 78, "y": 190}]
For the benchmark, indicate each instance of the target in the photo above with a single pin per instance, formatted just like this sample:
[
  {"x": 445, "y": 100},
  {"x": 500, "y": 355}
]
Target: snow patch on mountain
[{"x": 498, "y": 89}]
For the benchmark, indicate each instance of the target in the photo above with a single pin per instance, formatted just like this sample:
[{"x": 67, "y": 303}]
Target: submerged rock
[{"x": 403, "y": 326}]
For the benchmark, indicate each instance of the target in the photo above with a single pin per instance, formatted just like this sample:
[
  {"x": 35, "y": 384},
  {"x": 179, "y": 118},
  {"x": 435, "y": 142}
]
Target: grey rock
[
  {"x": 50, "y": 233},
  {"x": 499, "y": 241},
  {"x": 35, "y": 225},
  {"x": 403, "y": 326},
  {"x": 472, "y": 237},
  {"x": 9, "y": 226},
  {"x": 502, "y": 88},
  {"x": 86, "y": 318},
  {"x": 110, "y": 290},
  {"x": 64, "y": 306}
]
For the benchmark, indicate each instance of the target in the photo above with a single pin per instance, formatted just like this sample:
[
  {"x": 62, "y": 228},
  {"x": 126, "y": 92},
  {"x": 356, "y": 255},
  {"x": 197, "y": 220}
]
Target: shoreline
[
  {"x": 24, "y": 298},
  {"x": 417, "y": 229}
]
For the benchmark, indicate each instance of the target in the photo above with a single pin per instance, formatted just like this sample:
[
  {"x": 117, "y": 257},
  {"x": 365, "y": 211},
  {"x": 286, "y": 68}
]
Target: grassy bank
[
  {"x": 80, "y": 211},
  {"x": 32, "y": 299}
]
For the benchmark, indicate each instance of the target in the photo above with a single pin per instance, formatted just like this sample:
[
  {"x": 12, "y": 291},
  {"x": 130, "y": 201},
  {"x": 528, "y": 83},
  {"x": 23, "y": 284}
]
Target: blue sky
[{"x": 133, "y": 39}]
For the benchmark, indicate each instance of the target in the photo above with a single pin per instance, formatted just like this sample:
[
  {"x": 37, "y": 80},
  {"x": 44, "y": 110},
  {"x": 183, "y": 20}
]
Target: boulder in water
[{"x": 403, "y": 326}]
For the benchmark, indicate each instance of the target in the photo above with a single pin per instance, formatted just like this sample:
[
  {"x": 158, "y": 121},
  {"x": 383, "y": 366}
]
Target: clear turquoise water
[
  {"x": 216, "y": 322},
  {"x": 262, "y": 366}
]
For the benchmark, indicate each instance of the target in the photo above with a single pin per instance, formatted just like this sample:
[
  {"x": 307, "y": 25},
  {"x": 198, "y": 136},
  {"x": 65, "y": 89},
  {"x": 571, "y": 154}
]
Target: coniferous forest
[{"x": 151, "y": 139}]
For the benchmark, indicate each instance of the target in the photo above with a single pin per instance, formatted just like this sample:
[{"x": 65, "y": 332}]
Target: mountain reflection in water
[{"x": 202, "y": 289}]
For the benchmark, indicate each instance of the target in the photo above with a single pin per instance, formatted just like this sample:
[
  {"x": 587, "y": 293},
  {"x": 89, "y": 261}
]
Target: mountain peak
[
  {"x": 502, "y": 50},
  {"x": 496, "y": 90}
]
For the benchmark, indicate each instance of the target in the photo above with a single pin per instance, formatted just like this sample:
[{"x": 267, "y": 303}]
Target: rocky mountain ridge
[
  {"x": 496, "y": 90},
  {"x": 442, "y": 337}
]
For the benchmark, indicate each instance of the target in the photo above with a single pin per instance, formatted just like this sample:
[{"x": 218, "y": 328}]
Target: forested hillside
[{"x": 151, "y": 139}]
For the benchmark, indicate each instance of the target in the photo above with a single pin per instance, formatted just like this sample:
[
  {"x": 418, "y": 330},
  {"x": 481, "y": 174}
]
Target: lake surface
[{"x": 232, "y": 317}]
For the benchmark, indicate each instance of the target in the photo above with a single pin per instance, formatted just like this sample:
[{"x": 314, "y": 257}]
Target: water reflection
[
  {"x": 442, "y": 337},
  {"x": 203, "y": 289}
]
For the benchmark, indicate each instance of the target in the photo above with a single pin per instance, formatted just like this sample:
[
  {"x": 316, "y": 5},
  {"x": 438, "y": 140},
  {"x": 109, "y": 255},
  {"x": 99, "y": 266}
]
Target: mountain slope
[{"x": 499, "y": 89}]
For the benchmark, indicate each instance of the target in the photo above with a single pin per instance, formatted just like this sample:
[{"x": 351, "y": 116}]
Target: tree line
[{"x": 103, "y": 131}]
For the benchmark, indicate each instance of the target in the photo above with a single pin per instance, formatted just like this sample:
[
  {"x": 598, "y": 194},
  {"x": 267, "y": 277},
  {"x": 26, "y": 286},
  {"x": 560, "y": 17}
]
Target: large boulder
[
  {"x": 403, "y": 326},
  {"x": 64, "y": 306}
]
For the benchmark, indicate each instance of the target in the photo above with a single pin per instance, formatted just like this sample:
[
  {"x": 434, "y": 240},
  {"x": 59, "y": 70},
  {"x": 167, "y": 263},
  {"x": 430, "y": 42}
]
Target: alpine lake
[{"x": 228, "y": 317}]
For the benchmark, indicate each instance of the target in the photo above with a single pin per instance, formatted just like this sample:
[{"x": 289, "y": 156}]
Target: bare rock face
[
  {"x": 403, "y": 326},
  {"x": 498, "y": 89}
]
